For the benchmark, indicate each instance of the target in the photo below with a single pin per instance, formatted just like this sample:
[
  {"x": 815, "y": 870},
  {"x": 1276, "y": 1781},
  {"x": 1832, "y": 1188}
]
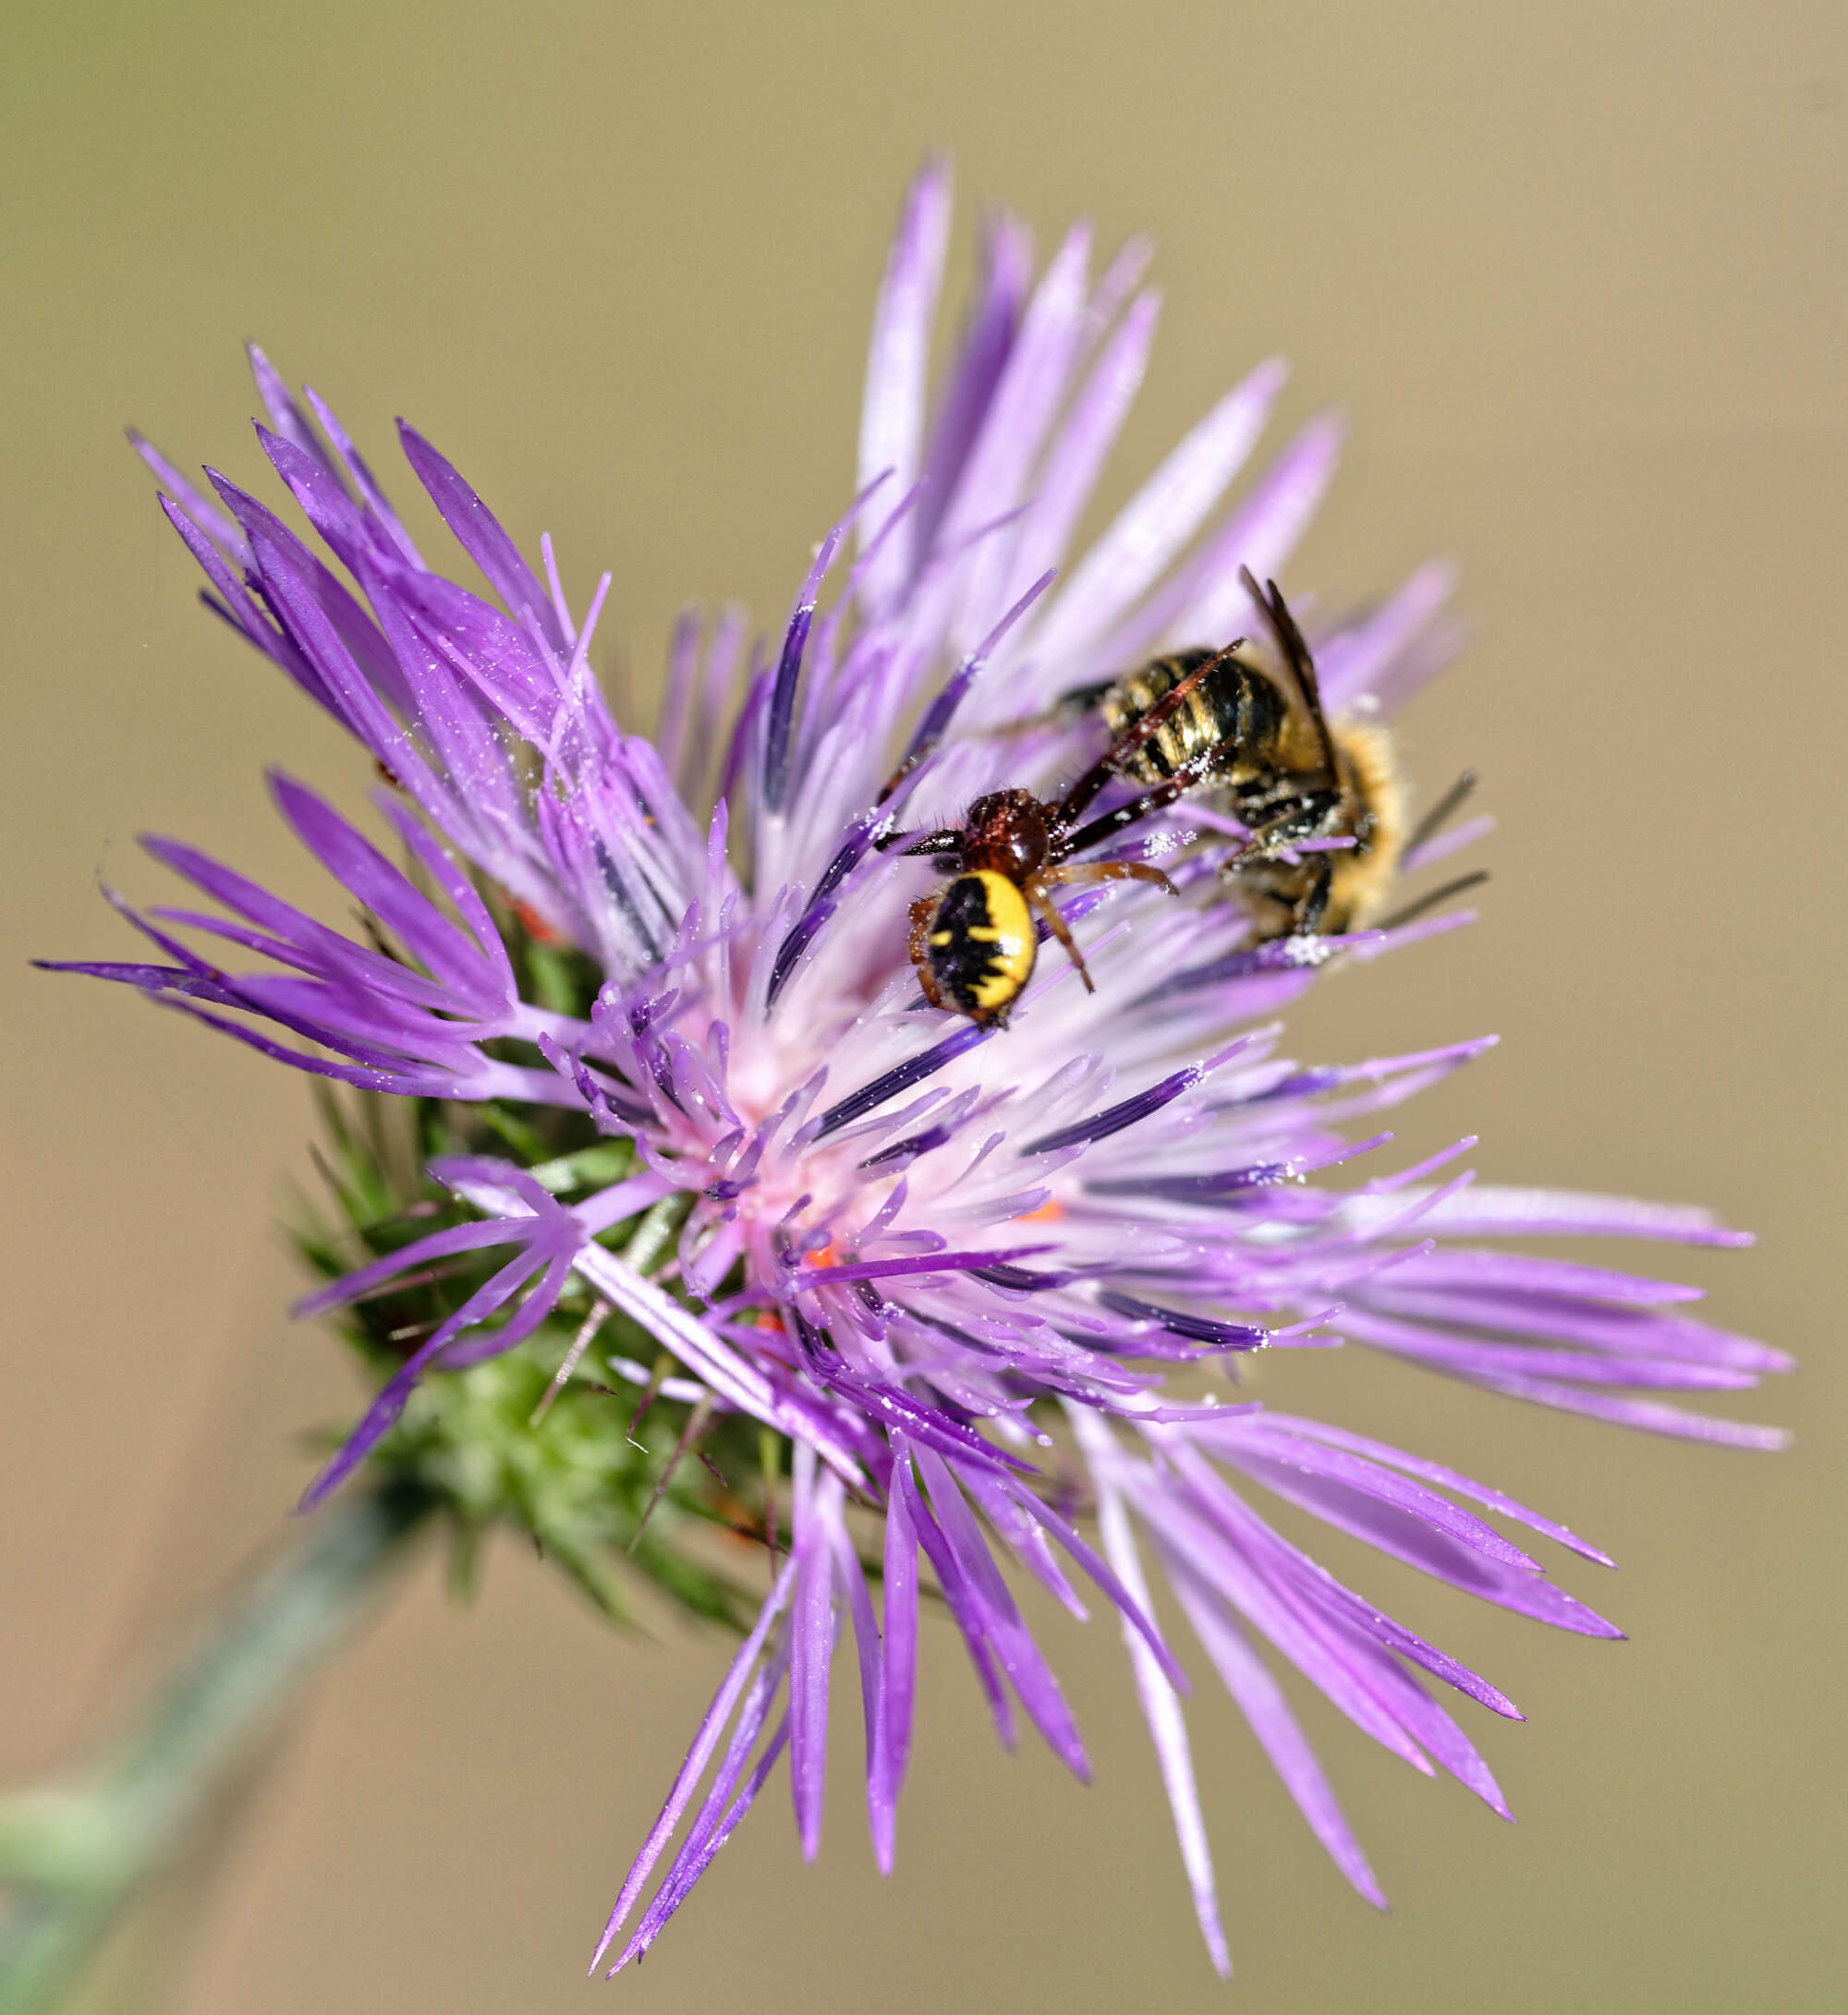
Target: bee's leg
[
  {"x": 922, "y": 910},
  {"x": 1306, "y": 818},
  {"x": 1038, "y": 900},
  {"x": 1313, "y": 906},
  {"x": 1108, "y": 870},
  {"x": 1066, "y": 711},
  {"x": 1301, "y": 892}
]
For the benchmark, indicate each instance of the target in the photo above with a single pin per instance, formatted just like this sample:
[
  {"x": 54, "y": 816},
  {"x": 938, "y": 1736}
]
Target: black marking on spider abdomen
[{"x": 981, "y": 943}]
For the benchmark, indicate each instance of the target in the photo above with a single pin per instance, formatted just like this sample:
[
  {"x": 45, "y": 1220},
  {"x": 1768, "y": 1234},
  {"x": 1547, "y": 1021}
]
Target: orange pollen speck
[
  {"x": 1050, "y": 1212},
  {"x": 534, "y": 925}
]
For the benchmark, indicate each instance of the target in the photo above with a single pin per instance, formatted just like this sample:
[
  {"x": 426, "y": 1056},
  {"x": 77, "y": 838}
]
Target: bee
[
  {"x": 1269, "y": 753},
  {"x": 976, "y": 943}
]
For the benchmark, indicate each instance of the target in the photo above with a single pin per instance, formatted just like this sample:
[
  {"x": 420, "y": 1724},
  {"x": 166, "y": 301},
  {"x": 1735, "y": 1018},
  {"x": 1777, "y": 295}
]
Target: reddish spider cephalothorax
[{"x": 975, "y": 944}]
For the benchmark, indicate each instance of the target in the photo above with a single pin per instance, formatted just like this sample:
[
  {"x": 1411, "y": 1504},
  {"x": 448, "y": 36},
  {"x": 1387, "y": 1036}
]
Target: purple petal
[
  {"x": 713, "y": 1824},
  {"x": 191, "y": 501},
  {"x": 898, "y": 1664},
  {"x": 480, "y": 535},
  {"x": 1626, "y": 1331},
  {"x": 664, "y": 1906},
  {"x": 1167, "y": 1728},
  {"x": 1101, "y": 1125},
  {"x": 962, "y": 1601},
  {"x": 891, "y": 417},
  {"x": 790, "y": 670},
  {"x": 901, "y": 1078},
  {"x": 1260, "y": 1700},
  {"x": 1647, "y": 1415},
  {"x": 1418, "y": 1543},
  {"x": 811, "y": 1653},
  {"x": 286, "y": 415},
  {"x": 705, "y": 1741},
  {"x": 1191, "y": 1548},
  {"x": 1161, "y": 518},
  {"x": 1270, "y": 1451},
  {"x": 1450, "y": 1479},
  {"x": 1020, "y": 1657},
  {"x": 1317, "y": 1594}
]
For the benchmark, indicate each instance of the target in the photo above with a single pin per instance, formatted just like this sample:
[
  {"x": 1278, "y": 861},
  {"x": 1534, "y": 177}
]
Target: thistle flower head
[{"x": 656, "y": 1003}]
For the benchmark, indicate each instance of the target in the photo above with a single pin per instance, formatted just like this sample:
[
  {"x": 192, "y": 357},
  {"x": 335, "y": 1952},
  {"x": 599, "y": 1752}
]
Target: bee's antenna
[
  {"x": 1296, "y": 654},
  {"x": 1430, "y": 901},
  {"x": 1442, "y": 812}
]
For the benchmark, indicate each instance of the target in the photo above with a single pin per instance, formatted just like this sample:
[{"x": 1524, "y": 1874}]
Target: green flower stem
[{"x": 74, "y": 1854}]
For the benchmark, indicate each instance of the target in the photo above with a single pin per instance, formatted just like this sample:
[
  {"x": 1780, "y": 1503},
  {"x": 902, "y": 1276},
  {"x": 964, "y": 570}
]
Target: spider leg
[
  {"x": 947, "y": 840},
  {"x": 922, "y": 910},
  {"x": 1164, "y": 793},
  {"x": 1035, "y": 892},
  {"x": 1109, "y": 871},
  {"x": 1111, "y": 762}
]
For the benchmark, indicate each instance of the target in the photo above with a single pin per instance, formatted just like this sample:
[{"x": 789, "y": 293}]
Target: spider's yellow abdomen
[{"x": 981, "y": 943}]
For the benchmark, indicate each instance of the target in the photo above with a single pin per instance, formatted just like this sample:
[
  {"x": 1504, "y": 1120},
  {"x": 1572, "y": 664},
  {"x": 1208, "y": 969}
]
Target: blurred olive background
[{"x": 1576, "y": 276}]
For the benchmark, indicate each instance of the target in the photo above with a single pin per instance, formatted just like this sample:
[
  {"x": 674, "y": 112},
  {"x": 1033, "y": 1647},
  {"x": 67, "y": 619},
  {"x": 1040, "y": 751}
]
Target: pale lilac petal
[
  {"x": 1260, "y": 1700},
  {"x": 1159, "y": 519},
  {"x": 1027, "y": 1670},
  {"x": 1167, "y": 1726},
  {"x": 891, "y": 414},
  {"x": 1008, "y": 257},
  {"x": 1261, "y": 534},
  {"x": 811, "y": 1653},
  {"x": 700, "y": 1753},
  {"x": 1078, "y": 451},
  {"x": 1363, "y": 659},
  {"x": 899, "y": 1663}
]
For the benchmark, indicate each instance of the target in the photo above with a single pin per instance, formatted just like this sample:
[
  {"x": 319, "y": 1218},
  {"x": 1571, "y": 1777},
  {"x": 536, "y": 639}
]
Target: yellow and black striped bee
[
  {"x": 1269, "y": 753},
  {"x": 975, "y": 944}
]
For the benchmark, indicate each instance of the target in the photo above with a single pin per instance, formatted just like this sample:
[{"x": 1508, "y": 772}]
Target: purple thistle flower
[{"x": 913, "y": 1245}]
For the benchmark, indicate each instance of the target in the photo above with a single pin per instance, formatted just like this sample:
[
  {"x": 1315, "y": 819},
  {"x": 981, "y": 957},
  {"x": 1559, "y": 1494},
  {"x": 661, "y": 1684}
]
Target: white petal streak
[
  {"x": 1160, "y": 1704},
  {"x": 1025, "y": 402},
  {"x": 892, "y": 417},
  {"x": 1261, "y": 534},
  {"x": 1161, "y": 518},
  {"x": 1087, "y": 437},
  {"x": 708, "y": 1357}
]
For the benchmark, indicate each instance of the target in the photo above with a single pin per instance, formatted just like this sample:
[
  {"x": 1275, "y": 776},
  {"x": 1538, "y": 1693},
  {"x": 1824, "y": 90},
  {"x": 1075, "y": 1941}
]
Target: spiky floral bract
[{"x": 650, "y": 1007}]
